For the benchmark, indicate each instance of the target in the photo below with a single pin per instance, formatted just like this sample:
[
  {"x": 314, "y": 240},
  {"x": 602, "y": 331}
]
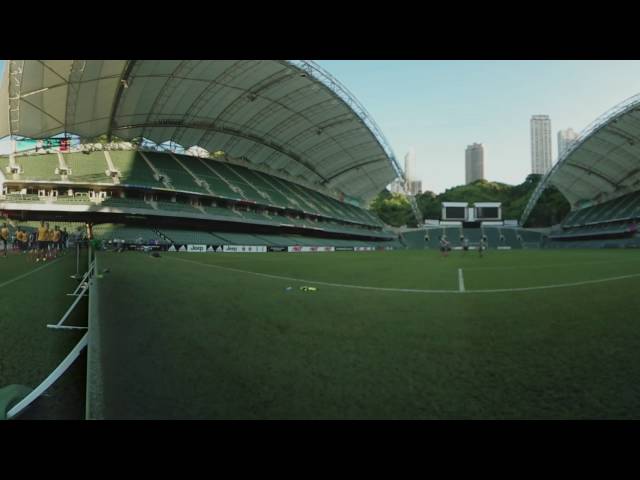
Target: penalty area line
[
  {"x": 460, "y": 281},
  {"x": 315, "y": 282}
]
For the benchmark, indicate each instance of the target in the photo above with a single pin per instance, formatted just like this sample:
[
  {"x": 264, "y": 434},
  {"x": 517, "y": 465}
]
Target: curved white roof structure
[
  {"x": 290, "y": 115},
  {"x": 602, "y": 164}
]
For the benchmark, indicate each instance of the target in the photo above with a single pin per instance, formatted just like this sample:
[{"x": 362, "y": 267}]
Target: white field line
[
  {"x": 411, "y": 290},
  {"x": 20, "y": 277},
  {"x": 315, "y": 282},
  {"x": 460, "y": 280},
  {"x": 554, "y": 265}
]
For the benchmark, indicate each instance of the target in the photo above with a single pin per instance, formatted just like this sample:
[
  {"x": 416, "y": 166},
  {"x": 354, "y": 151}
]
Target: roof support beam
[
  {"x": 352, "y": 167},
  {"x": 593, "y": 172},
  {"x": 124, "y": 78}
]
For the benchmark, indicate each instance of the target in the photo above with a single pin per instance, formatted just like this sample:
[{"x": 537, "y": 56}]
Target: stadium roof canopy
[
  {"x": 602, "y": 164},
  {"x": 290, "y": 115}
]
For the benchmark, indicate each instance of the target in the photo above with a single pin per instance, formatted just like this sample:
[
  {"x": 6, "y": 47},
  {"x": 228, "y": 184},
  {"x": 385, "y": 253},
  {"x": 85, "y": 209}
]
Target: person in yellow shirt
[
  {"x": 43, "y": 236},
  {"x": 23, "y": 238},
  {"x": 4, "y": 236},
  {"x": 57, "y": 234},
  {"x": 50, "y": 243}
]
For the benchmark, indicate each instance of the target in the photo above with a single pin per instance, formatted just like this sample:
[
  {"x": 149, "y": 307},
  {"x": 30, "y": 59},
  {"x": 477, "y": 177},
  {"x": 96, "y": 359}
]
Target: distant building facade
[
  {"x": 540, "y": 144},
  {"x": 415, "y": 187},
  {"x": 410, "y": 165},
  {"x": 565, "y": 139},
  {"x": 474, "y": 163},
  {"x": 397, "y": 186}
]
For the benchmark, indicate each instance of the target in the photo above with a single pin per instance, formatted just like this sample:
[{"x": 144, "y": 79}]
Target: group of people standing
[
  {"x": 445, "y": 245},
  {"x": 45, "y": 243}
]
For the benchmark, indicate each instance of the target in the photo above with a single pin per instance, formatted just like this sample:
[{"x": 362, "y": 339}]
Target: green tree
[{"x": 552, "y": 207}]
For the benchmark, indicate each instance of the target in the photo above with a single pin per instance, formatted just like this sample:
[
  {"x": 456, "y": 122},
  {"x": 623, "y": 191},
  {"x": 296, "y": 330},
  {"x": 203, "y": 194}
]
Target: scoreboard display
[
  {"x": 489, "y": 213},
  {"x": 455, "y": 213},
  {"x": 477, "y": 212}
]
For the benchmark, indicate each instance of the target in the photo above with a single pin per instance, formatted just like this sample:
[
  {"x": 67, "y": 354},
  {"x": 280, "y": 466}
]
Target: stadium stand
[
  {"x": 493, "y": 236},
  {"x": 133, "y": 169},
  {"x": 434, "y": 235},
  {"x": 110, "y": 231},
  {"x": 511, "y": 237},
  {"x": 204, "y": 170},
  {"x": 87, "y": 170},
  {"x": 26, "y": 198},
  {"x": 187, "y": 236},
  {"x": 125, "y": 179},
  {"x": 73, "y": 200},
  {"x": 177, "y": 176},
  {"x": 38, "y": 168},
  {"x": 115, "y": 202},
  {"x": 530, "y": 239},
  {"x": 230, "y": 238},
  {"x": 177, "y": 207},
  {"x": 474, "y": 235},
  {"x": 415, "y": 239}
]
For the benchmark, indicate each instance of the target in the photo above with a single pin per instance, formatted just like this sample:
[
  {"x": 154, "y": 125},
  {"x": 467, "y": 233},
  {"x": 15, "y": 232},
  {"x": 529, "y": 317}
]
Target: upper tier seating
[{"x": 189, "y": 174}]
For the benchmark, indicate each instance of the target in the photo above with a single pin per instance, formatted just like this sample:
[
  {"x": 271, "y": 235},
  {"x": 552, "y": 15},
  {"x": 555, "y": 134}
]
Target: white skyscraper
[
  {"x": 474, "y": 163},
  {"x": 396, "y": 186},
  {"x": 565, "y": 139},
  {"x": 540, "y": 144},
  {"x": 410, "y": 165}
]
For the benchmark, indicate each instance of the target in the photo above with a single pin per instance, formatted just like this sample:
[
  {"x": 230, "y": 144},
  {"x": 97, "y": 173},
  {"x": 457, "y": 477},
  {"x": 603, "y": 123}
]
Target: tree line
[{"x": 552, "y": 207}]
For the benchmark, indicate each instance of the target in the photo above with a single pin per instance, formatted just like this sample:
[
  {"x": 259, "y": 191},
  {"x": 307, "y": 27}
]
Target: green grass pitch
[
  {"x": 33, "y": 295},
  {"x": 221, "y": 336}
]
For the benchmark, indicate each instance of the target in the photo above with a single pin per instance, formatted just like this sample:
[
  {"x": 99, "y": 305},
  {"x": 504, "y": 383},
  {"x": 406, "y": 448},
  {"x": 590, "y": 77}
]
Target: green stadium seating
[
  {"x": 474, "y": 235},
  {"x": 221, "y": 212},
  {"x": 267, "y": 185},
  {"x": 179, "y": 177},
  {"x": 90, "y": 168},
  {"x": 239, "y": 238},
  {"x": 38, "y": 167},
  {"x": 511, "y": 238},
  {"x": 249, "y": 215},
  {"x": 417, "y": 239},
  {"x": 18, "y": 197},
  {"x": 73, "y": 200},
  {"x": 222, "y": 178},
  {"x": 178, "y": 207},
  {"x": 199, "y": 167},
  {"x": 111, "y": 231},
  {"x": 133, "y": 169},
  {"x": 434, "y": 235},
  {"x": 193, "y": 237},
  {"x": 115, "y": 202},
  {"x": 493, "y": 236}
]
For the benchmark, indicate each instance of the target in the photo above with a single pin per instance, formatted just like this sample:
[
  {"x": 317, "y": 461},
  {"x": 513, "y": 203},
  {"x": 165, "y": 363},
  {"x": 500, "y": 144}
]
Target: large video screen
[
  {"x": 454, "y": 213},
  {"x": 487, "y": 212}
]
